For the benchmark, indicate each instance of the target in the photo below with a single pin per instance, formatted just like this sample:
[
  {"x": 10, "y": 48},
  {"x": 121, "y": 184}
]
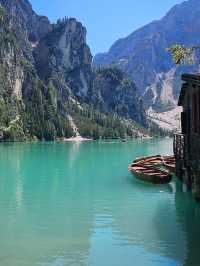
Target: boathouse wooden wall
[{"x": 187, "y": 143}]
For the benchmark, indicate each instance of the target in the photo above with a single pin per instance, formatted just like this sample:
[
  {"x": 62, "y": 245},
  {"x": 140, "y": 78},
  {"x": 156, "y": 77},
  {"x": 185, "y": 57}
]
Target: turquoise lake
[{"x": 76, "y": 204}]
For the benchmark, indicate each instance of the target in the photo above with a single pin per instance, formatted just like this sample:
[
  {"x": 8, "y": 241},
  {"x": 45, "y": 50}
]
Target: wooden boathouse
[{"x": 187, "y": 143}]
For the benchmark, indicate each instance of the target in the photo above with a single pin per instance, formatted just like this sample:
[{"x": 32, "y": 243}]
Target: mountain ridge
[
  {"x": 46, "y": 76},
  {"x": 143, "y": 55}
]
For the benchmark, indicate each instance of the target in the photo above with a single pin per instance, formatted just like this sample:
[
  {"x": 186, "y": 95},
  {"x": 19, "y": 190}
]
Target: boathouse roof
[{"x": 188, "y": 78}]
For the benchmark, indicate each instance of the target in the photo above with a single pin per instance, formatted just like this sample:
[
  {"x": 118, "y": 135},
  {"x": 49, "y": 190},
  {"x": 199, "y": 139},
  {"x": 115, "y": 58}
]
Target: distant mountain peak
[{"x": 143, "y": 54}]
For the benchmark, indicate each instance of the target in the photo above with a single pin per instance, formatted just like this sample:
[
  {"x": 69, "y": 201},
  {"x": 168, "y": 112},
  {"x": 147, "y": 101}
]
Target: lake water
[{"x": 76, "y": 204}]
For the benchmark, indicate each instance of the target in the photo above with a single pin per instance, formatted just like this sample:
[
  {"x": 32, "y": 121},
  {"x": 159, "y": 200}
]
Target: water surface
[{"x": 75, "y": 204}]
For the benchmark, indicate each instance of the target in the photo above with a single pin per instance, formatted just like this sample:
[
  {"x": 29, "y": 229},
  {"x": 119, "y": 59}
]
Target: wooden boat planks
[{"x": 146, "y": 168}]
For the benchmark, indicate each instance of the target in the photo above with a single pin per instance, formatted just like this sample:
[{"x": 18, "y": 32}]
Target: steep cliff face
[
  {"x": 115, "y": 92},
  {"x": 46, "y": 76},
  {"x": 11, "y": 78},
  {"x": 26, "y": 105},
  {"x": 64, "y": 55},
  {"x": 143, "y": 54},
  {"x": 64, "y": 52},
  {"x": 21, "y": 27},
  {"x": 21, "y": 16}
]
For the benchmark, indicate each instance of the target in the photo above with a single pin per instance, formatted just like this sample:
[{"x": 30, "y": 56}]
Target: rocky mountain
[
  {"x": 143, "y": 55},
  {"x": 117, "y": 93},
  {"x": 21, "y": 13},
  {"x": 64, "y": 52},
  {"x": 48, "y": 86}
]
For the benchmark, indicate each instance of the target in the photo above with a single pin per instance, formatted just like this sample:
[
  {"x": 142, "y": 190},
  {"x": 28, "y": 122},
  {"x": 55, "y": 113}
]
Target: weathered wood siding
[{"x": 187, "y": 144}]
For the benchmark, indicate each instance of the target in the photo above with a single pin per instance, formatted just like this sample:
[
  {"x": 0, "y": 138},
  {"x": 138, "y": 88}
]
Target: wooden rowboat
[
  {"x": 169, "y": 163},
  {"x": 157, "y": 158},
  {"x": 171, "y": 167},
  {"x": 147, "y": 169},
  {"x": 151, "y": 174}
]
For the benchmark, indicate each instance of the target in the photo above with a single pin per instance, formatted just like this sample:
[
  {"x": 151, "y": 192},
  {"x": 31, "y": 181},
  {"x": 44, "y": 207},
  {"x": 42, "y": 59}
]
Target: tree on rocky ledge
[{"x": 183, "y": 55}]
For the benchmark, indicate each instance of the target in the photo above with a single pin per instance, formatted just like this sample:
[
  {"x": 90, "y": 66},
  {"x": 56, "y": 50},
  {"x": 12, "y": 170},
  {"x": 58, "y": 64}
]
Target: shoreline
[
  {"x": 80, "y": 139},
  {"x": 76, "y": 139}
]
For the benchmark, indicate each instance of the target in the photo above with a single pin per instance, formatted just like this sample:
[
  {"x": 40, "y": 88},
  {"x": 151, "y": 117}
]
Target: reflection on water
[
  {"x": 188, "y": 215},
  {"x": 76, "y": 204}
]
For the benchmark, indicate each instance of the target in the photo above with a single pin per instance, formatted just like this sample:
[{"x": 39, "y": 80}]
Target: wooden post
[{"x": 197, "y": 186}]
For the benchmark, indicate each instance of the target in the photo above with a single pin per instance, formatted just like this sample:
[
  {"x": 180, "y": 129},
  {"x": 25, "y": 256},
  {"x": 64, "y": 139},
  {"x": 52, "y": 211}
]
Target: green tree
[{"x": 182, "y": 54}]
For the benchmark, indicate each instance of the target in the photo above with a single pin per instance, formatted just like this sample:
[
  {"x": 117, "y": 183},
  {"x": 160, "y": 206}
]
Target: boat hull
[
  {"x": 148, "y": 169},
  {"x": 152, "y": 178}
]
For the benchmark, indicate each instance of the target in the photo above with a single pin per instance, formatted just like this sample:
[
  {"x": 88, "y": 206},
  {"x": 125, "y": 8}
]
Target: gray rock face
[
  {"x": 11, "y": 79},
  {"x": 143, "y": 53},
  {"x": 64, "y": 50},
  {"x": 115, "y": 92},
  {"x": 21, "y": 13},
  {"x": 11, "y": 71}
]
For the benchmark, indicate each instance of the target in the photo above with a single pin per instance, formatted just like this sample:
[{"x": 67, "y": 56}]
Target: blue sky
[{"x": 105, "y": 20}]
